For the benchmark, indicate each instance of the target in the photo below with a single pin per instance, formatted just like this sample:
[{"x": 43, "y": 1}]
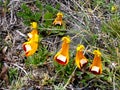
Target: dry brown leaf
[{"x": 3, "y": 73}]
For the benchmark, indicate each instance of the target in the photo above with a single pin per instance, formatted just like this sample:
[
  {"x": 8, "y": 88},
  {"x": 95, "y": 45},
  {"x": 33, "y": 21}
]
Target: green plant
[
  {"x": 102, "y": 4},
  {"x": 13, "y": 74},
  {"x": 19, "y": 83},
  {"x": 38, "y": 58},
  {"x": 59, "y": 87},
  {"x": 28, "y": 15},
  {"x": 112, "y": 27}
]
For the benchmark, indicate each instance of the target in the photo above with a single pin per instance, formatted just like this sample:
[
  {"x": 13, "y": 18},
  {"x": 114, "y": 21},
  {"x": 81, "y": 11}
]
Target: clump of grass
[
  {"x": 38, "y": 58},
  {"x": 19, "y": 83},
  {"x": 112, "y": 27}
]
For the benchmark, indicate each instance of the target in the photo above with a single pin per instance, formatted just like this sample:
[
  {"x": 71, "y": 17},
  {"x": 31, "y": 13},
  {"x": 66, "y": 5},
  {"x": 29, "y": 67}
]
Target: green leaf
[
  {"x": 51, "y": 9},
  {"x": 48, "y": 15},
  {"x": 13, "y": 74},
  {"x": 26, "y": 22},
  {"x": 57, "y": 6},
  {"x": 20, "y": 14},
  {"x": 26, "y": 10},
  {"x": 24, "y": 6},
  {"x": 38, "y": 58},
  {"x": 25, "y": 17},
  {"x": 1, "y": 3},
  {"x": 39, "y": 5},
  {"x": 48, "y": 18},
  {"x": 38, "y": 16}
]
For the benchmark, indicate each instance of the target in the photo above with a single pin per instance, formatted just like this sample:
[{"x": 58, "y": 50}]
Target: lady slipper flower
[
  {"x": 62, "y": 57},
  {"x": 80, "y": 59},
  {"x": 34, "y": 25},
  {"x": 96, "y": 66},
  {"x": 30, "y": 48},
  {"x": 58, "y": 19}
]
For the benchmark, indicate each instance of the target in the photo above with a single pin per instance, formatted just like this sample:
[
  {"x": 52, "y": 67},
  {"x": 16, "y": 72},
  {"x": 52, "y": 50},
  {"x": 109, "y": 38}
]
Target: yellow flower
[
  {"x": 33, "y": 35},
  {"x": 80, "y": 59},
  {"x": 58, "y": 19},
  {"x": 114, "y": 8},
  {"x": 62, "y": 57},
  {"x": 34, "y": 25},
  {"x": 30, "y": 48},
  {"x": 96, "y": 66}
]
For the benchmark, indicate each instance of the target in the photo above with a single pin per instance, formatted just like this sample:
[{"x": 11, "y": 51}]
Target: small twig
[
  {"x": 49, "y": 29},
  {"x": 21, "y": 33},
  {"x": 75, "y": 36},
  {"x": 114, "y": 81},
  {"x": 21, "y": 68}
]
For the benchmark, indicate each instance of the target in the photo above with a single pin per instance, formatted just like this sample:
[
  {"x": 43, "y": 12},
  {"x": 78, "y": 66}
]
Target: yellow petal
[
  {"x": 59, "y": 14},
  {"x": 114, "y": 8},
  {"x": 34, "y": 25},
  {"x": 97, "y": 52},
  {"x": 66, "y": 39},
  {"x": 80, "y": 47}
]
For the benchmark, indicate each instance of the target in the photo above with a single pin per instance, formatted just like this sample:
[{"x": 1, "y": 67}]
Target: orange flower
[
  {"x": 62, "y": 57},
  {"x": 80, "y": 59},
  {"x": 96, "y": 66},
  {"x": 58, "y": 19},
  {"x": 30, "y": 48}
]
